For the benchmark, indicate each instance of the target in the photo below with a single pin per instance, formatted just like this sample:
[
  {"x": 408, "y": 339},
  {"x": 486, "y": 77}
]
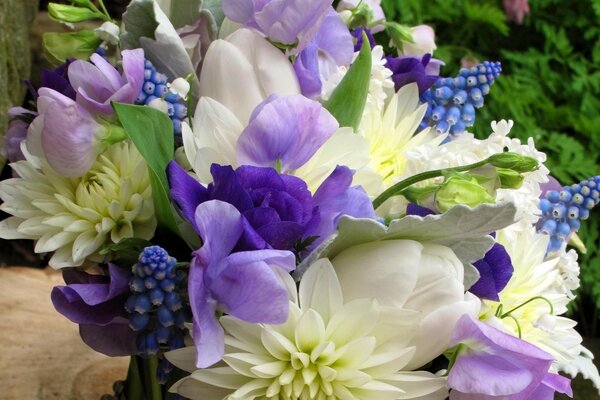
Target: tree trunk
[{"x": 15, "y": 58}]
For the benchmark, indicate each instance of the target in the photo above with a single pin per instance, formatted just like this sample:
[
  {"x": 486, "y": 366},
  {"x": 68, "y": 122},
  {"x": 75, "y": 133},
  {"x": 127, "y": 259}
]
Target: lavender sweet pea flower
[
  {"x": 494, "y": 365},
  {"x": 551, "y": 384},
  {"x": 290, "y": 22},
  {"x": 331, "y": 47},
  {"x": 285, "y": 132},
  {"x": 244, "y": 284},
  {"x": 97, "y": 304},
  {"x": 16, "y": 133},
  {"x": 407, "y": 70},
  {"x": 495, "y": 270},
  {"x": 70, "y": 137},
  {"x": 279, "y": 211},
  {"x": 99, "y": 83}
]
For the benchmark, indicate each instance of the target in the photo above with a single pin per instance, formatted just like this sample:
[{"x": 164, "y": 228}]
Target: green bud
[
  {"x": 113, "y": 133},
  {"x": 419, "y": 195},
  {"x": 65, "y": 13},
  {"x": 82, "y": 3},
  {"x": 362, "y": 15},
  {"x": 399, "y": 34},
  {"x": 509, "y": 179},
  {"x": 58, "y": 47},
  {"x": 461, "y": 189},
  {"x": 514, "y": 161}
]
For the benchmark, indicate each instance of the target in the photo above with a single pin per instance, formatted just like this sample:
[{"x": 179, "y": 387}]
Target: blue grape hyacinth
[
  {"x": 156, "y": 87},
  {"x": 451, "y": 102},
  {"x": 563, "y": 211},
  {"x": 156, "y": 309}
]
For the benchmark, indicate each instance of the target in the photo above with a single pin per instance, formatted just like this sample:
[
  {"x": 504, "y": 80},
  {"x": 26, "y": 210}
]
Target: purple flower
[
  {"x": 495, "y": 270},
  {"x": 16, "y": 133},
  {"x": 285, "y": 131},
  {"x": 58, "y": 80},
  {"x": 493, "y": 365},
  {"x": 358, "y": 36},
  {"x": 69, "y": 134},
  {"x": 290, "y": 22},
  {"x": 330, "y": 48},
  {"x": 243, "y": 284},
  {"x": 97, "y": 304},
  {"x": 551, "y": 384},
  {"x": 278, "y": 210},
  {"x": 98, "y": 83},
  {"x": 407, "y": 70}
]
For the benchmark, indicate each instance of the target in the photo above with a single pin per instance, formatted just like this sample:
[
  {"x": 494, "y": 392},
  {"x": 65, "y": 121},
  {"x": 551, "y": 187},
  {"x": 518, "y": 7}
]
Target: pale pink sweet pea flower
[
  {"x": 424, "y": 41},
  {"x": 516, "y": 10}
]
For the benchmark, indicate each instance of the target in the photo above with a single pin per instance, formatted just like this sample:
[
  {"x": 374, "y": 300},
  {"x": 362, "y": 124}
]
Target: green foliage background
[{"x": 550, "y": 87}]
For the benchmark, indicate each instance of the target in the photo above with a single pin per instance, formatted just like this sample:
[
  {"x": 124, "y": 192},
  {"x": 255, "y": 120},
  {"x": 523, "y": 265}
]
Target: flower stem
[
  {"x": 153, "y": 387},
  {"x": 134, "y": 388},
  {"x": 396, "y": 189}
]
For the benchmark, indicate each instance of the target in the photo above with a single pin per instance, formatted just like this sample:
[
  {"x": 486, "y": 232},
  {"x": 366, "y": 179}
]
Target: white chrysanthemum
[
  {"x": 326, "y": 350},
  {"x": 535, "y": 283},
  {"x": 467, "y": 150},
  {"x": 75, "y": 217},
  {"x": 380, "y": 83}
]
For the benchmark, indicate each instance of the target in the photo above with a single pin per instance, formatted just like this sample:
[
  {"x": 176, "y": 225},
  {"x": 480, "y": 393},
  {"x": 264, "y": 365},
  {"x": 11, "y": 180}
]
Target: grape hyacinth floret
[
  {"x": 452, "y": 101},
  {"x": 563, "y": 211},
  {"x": 156, "y": 87},
  {"x": 155, "y": 306}
]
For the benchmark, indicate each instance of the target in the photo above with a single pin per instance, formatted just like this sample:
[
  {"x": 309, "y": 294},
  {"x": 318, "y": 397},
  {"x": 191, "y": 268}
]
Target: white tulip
[
  {"x": 406, "y": 274},
  {"x": 243, "y": 70}
]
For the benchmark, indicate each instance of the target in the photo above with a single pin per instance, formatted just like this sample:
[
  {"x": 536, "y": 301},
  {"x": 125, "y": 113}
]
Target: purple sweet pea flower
[
  {"x": 279, "y": 211},
  {"x": 97, "y": 304},
  {"x": 98, "y": 83},
  {"x": 290, "y": 22},
  {"x": 16, "y": 133},
  {"x": 551, "y": 384},
  {"x": 330, "y": 48},
  {"x": 358, "y": 36},
  {"x": 495, "y": 270},
  {"x": 413, "y": 69},
  {"x": 69, "y": 134},
  {"x": 58, "y": 80},
  {"x": 242, "y": 284},
  {"x": 494, "y": 365},
  {"x": 285, "y": 131}
]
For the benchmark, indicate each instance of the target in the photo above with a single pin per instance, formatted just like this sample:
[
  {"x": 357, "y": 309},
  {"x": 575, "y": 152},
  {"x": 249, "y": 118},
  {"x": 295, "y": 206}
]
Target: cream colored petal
[
  {"x": 196, "y": 390},
  {"x": 419, "y": 385},
  {"x": 183, "y": 358},
  {"x": 320, "y": 290}
]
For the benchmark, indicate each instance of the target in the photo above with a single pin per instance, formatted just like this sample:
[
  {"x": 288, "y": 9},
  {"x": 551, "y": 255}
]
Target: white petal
[{"x": 320, "y": 289}]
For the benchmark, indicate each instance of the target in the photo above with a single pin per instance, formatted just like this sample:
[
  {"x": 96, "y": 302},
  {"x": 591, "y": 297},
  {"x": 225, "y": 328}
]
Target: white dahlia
[
  {"x": 74, "y": 218},
  {"x": 327, "y": 349}
]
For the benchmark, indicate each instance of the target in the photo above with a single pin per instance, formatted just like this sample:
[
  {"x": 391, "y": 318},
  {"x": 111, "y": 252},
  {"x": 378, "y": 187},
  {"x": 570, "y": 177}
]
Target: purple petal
[
  {"x": 358, "y": 35},
  {"x": 552, "y": 184},
  {"x": 208, "y": 334},
  {"x": 335, "y": 198},
  {"x": 253, "y": 177},
  {"x": 495, "y": 271},
  {"x": 288, "y": 130},
  {"x": 408, "y": 69},
  {"x": 415, "y": 209},
  {"x": 68, "y": 138},
  {"x": 250, "y": 239},
  {"x": 133, "y": 70},
  {"x": 227, "y": 187},
  {"x": 496, "y": 364},
  {"x": 250, "y": 290},
  {"x": 114, "y": 340},
  {"x": 282, "y": 235},
  {"x": 306, "y": 67},
  {"x": 220, "y": 226},
  {"x": 239, "y": 10},
  {"x": 187, "y": 192},
  {"x": 334, "y": 39},
  {"x": 551, "y": 384},
  {"x": 94, "y": 299},
  {"x": 58, "y": 80}
]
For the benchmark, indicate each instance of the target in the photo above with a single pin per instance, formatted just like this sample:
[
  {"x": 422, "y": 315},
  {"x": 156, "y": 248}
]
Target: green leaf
[
  {"x": 463, "y": 229},
  {"x": 65, "y": 13},
  {"x": 127, "y": 251},
  {"x": 152, "y": 133},
  {"x": 347, "y": 102},
  {"x": 58, "y": 47}
]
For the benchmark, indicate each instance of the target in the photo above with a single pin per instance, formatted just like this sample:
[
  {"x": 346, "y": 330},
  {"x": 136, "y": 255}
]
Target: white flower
[
  {"x": 328, "y": 349},
  {"x": 424, "y": 41},
  {"x": 75, "y": 217},
  {"x": 536, "y": 284},
  {"x": 405, "y": 274}
]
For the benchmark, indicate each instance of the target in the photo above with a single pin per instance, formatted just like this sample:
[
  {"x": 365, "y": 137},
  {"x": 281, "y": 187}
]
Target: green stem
[
  {"x": 104, "y": 10},
  {"x": 508, "y": 313},
  {"x": 154, "y": 388},
  {"x": 396, "y": 189},
  {"x": 134, "y": 389}
]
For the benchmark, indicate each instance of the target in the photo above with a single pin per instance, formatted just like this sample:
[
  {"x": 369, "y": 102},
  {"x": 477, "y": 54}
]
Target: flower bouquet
[{"x": 280, "y": 199}]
